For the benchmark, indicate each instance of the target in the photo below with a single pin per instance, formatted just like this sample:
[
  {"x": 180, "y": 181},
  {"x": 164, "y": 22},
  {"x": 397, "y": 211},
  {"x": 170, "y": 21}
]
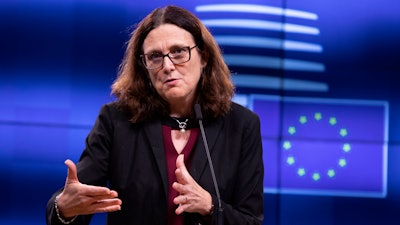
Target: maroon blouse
[{"x": 171, "y": 154}]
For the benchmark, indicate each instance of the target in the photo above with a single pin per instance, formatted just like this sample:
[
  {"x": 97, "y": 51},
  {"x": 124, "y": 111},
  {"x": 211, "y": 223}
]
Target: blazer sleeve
[
  {"x": 93, "y": 164},
  {"x": 247, "y": 200},
  {"x": 238, "y": 162},
  {"x": 51, "y": 215}
]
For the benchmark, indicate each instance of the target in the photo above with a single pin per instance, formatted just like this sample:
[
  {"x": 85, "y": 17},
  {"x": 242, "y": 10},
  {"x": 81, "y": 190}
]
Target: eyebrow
[{"x": 170, "y": 48}]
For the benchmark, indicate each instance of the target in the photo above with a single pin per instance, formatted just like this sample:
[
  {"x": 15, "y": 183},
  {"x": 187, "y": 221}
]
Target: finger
[
  {"x": 105, "y": 205},
  {"x": 181, "y": 199},
  {"x": 108, "y": 203},
  {"x": 180, "y": 209},
  {"x": 72, "y": 175},
  {"x": 98, "y": 192},
  {"x": 113, "y": 193},
  {"x": 110, "y": 209}
]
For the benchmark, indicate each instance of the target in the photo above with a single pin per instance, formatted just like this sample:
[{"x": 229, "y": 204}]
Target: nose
[{"x": 168, "y": 64}]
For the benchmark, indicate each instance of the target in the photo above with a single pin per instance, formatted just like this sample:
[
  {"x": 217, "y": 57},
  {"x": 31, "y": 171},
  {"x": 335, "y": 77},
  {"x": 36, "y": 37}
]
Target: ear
[
  {"x": 203, "y": 63},
  {"x": 204, "y": 59}
]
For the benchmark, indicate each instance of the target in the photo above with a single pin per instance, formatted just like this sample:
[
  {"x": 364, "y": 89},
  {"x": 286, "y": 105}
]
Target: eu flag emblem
[{"x": 323, "y": 146}]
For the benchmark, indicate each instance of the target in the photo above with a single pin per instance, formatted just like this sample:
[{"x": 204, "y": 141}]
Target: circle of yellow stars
[{"x": 316, "y": 175}]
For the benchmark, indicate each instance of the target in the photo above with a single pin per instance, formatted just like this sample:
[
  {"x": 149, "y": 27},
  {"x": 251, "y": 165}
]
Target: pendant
[{"x": 182, "y": 125}]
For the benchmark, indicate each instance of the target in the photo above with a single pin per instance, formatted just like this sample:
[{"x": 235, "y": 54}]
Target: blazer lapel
[
  {"x": 154, "y": 133},
  {"x": 200, "y": 161}
]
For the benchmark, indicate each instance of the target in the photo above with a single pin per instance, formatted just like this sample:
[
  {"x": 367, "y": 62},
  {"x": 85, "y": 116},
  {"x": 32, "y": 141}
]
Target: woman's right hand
[{"x": 81, "y": 199}]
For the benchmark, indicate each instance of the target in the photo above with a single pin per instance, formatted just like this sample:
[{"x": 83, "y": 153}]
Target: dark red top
[{"x": 171, "y": 154}]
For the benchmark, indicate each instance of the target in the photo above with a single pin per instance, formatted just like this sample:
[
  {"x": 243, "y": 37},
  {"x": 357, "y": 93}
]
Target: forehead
[{"x": 165, "y": 36}]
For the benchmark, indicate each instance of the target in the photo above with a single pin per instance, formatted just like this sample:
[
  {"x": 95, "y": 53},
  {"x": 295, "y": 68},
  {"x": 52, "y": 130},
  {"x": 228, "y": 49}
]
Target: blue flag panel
[{"x": 323, "y": 146}]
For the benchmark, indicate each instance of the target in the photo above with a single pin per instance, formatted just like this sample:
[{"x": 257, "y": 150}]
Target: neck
[{"x": 180, "y": 110}]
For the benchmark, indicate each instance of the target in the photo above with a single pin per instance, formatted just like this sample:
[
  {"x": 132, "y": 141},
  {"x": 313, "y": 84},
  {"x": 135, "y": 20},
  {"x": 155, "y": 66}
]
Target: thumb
[
  {"x": 72, "y": 176},
  {"x": 180, "y": 162},
  {"x": 181, "y": 172}
]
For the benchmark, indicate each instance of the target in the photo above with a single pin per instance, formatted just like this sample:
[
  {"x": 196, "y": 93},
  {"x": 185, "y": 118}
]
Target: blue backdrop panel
[{"x": 322, "y": 75}]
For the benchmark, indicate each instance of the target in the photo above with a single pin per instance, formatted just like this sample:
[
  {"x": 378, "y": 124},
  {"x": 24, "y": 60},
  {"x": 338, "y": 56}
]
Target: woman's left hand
[{"x": 192, "y": 198}]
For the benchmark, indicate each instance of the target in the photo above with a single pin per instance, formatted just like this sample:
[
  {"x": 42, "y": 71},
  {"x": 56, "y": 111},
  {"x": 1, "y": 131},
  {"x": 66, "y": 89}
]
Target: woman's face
[{"x": 174, "y": 83}]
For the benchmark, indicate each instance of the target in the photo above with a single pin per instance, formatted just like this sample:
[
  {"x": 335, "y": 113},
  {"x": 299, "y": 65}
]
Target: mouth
[{"x": 170, "y": 80}]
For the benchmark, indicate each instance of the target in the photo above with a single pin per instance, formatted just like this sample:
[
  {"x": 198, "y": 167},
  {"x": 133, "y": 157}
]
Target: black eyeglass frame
[{"x": 143, "y": 59}]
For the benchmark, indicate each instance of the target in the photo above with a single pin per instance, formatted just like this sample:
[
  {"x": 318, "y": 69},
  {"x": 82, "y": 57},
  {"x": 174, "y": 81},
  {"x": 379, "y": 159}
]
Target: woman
[{"x": 144, "y": 161}]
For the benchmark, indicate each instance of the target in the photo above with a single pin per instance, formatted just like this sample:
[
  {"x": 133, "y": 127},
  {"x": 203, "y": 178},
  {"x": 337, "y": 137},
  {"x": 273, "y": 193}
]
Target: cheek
[
  {"x": 153, "y": 77},
  {"x": 199, "y": 73}
]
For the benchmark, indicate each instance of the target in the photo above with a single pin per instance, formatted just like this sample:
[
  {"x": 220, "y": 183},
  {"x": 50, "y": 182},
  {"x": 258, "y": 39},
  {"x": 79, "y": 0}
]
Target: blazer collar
[{"x": 153, "y": 131}]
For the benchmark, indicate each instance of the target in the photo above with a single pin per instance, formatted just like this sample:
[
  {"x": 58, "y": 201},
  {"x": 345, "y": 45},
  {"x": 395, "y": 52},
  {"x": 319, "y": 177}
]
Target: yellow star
[
  {"x": 332, "y": 121},
  {"x": 318, "y": 116},
  {"x": 292, "y": 130},
  {"x": 303, "y": 119}
]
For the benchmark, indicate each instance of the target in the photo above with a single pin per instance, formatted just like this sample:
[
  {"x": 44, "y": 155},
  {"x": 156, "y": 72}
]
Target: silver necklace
[{"x": 182, "y": 125}]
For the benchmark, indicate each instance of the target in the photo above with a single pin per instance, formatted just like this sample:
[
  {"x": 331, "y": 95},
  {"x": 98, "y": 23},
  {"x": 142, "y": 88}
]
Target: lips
[{"x": 171, "y": 80}]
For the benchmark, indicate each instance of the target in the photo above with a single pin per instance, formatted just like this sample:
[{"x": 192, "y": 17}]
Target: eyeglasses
[{"x": 177, "y": 56}]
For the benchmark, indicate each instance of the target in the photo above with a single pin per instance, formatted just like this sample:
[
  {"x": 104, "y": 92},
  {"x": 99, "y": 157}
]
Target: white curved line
[
  {"x": 270, "y": 82},
  {"x": 273, "y": 63},
  {"x": 272, "y": 43},
  {"x": 261, "y": 25},
  {"x": 253, "y": 8}
]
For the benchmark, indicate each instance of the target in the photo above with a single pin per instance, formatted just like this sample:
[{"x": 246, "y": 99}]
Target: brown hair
[{"x": 132, "y": 86}]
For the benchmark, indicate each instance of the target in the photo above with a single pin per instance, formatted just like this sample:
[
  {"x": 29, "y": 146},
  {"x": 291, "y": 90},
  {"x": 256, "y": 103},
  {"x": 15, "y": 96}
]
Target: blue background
[{"x": 59, "y": 58}]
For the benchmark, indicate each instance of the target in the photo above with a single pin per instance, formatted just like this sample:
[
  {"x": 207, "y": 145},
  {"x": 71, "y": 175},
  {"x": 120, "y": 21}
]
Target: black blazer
[{"x": 129, "y": 158}]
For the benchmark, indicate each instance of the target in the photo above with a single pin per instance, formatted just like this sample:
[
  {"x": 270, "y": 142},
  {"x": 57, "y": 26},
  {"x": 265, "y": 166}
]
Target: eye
[
  {"x": 154, "y": 56},
  {"x": 178, "y": 52}
]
